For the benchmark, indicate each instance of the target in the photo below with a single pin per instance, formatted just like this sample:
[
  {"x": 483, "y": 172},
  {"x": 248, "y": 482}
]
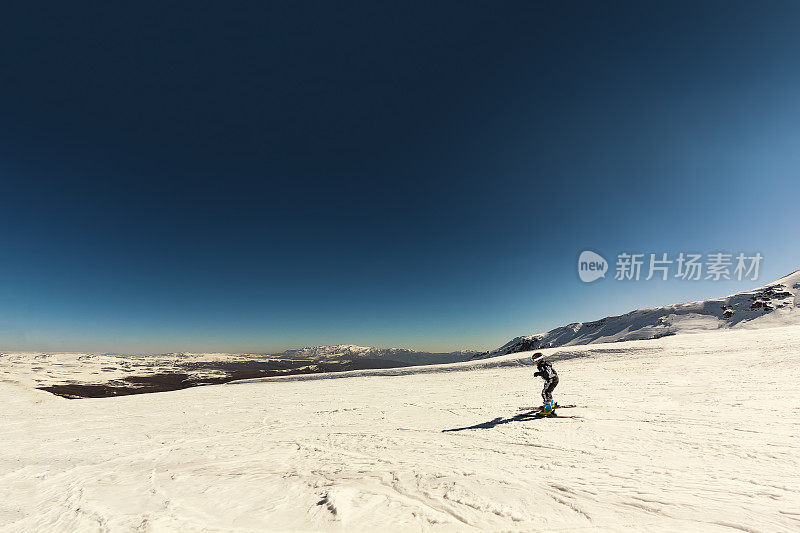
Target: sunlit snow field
[{"x": 685, "y": 433}]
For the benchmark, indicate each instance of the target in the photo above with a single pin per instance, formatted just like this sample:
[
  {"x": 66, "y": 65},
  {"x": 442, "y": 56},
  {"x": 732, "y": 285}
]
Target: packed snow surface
[{"x": 694, "y": 432}]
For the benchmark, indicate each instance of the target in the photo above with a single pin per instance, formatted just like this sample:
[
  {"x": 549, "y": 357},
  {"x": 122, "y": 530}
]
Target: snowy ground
[{"x": 684, "y": 433}]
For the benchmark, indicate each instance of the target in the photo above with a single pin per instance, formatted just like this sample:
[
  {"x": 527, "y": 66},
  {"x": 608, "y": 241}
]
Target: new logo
[{"x": 591, "y": 266}]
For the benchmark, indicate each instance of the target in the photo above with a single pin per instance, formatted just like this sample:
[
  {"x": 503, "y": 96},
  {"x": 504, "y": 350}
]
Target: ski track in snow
[{"x": 692, "y": 432}]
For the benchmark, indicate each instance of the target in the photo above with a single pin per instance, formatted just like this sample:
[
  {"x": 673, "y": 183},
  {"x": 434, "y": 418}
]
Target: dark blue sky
[{"x": 257, "y": 175}]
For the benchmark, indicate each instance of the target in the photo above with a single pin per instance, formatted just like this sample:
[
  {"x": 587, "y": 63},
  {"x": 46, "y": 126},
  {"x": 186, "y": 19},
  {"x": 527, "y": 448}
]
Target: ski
[
  {"x": 536, "y": 416},
  {"x": 539, "y": 408}
]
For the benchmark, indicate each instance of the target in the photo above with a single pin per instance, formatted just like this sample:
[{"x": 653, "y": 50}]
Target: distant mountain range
[
  {"x": 82, "y": 375},
  {"x": 341, "y": 352}
]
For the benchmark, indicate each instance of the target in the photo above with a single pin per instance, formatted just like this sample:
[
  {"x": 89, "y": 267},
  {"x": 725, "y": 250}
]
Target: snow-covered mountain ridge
[{"x": 775, "y": 304}]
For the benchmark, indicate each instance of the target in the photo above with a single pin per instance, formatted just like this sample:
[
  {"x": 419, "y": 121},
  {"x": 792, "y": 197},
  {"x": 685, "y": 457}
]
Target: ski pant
[{"x": 547, "y": 391}]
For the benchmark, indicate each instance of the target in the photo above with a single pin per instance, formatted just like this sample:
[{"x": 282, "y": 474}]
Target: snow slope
[
  {"x": 776, "y": 304},
  {"x": 683, "y": 433}
]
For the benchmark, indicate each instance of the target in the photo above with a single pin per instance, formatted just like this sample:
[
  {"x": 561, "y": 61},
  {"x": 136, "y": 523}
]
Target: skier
[{"x": 550, "y": 377}]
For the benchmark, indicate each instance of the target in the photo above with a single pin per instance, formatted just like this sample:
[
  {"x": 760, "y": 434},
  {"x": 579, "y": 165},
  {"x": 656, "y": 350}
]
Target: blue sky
[{"x": 208, "y": 177}]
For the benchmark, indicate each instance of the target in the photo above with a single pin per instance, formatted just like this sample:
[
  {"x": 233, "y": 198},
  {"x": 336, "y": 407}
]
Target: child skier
[{"x": 548, "y": 374}]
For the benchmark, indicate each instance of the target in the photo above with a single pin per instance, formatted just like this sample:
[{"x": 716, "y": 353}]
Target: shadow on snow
[{"x": 497, "y": 421}]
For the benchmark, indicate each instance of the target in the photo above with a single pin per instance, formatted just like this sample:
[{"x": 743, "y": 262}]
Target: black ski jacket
[{"x": 547, "y": 372}]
